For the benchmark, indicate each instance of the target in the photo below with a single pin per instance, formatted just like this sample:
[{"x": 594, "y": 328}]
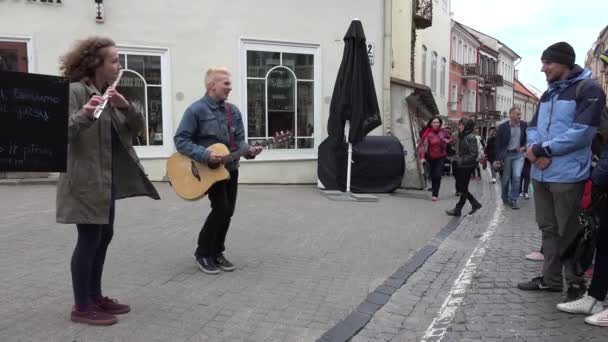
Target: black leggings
[
  {"x": 599, "y": 283},
  {"x": 88, "y": 259}
]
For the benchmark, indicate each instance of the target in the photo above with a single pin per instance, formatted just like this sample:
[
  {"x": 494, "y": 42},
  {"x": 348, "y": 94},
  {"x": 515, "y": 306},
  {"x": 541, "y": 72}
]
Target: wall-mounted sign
[
  {"x": 33, "y": 122},
  {"x": 370, "y": 53}
]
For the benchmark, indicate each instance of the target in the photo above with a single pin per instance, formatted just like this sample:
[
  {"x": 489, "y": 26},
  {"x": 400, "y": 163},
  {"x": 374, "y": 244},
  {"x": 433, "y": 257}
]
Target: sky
[{"x": 529, "y": 26}]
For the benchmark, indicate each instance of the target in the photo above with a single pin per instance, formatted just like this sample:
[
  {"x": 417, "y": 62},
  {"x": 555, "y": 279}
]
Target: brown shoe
[
  {"x": 111, "y": 306},
  {"x": 92, "y": 315}
]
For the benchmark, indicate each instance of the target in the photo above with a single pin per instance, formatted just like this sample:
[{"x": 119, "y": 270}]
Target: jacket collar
[
  {"x": 576, "y": 74},
  {"x": 91, "y": 88},
  {"x": 213, "y": 104}
]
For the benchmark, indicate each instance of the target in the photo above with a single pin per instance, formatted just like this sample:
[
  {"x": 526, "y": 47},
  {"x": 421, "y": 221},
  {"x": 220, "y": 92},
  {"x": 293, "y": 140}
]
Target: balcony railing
[
  {"x": 492, "y": 81},
  {"x": 423, "y": 14},
  {"x": 471, "y": 70}
]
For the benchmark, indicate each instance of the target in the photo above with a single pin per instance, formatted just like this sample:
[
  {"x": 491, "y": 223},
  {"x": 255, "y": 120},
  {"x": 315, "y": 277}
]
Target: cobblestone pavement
[
  {"x": 303, "y": 264},
  {"x": 467, "y": 290}
]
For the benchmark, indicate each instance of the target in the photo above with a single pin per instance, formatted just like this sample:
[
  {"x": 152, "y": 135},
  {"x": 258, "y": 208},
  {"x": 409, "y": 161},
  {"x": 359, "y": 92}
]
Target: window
[
  {"x": 434, "y": 73},
  {"x": 466, "y": 54},
  {"x": 281, "y": 93},
  {"x": 459, "y": 57},
  {"x": 145, "y": 83},
  {"x": 424, "y": 64},
  {"x": 473, "y": 56},
  {"x": 454, "y": 99},
  {"x": 442, "y": 77},
  {"x": 454, "y": 49},
  {"x": 13, "y": 56},
  {"x": 474, "y": 102}
]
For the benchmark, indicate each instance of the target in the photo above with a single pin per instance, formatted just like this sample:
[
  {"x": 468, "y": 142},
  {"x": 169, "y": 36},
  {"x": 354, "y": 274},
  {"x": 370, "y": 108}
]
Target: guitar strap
[{"x": 231, "y": 128}]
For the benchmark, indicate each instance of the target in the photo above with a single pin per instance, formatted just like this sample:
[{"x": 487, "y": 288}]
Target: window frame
[
  {"x": 434, "y": 67},
  {"x": 424, "y": 56},
  {"x": 167, "y": 148},
  {"x": 266, "y": 45},
  {"x": 442, "y": 77},
  {"x": 29, "y": 43}
]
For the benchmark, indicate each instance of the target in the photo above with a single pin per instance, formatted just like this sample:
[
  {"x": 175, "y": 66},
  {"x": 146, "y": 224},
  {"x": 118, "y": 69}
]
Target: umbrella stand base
[{"x": 348, "y": 196}]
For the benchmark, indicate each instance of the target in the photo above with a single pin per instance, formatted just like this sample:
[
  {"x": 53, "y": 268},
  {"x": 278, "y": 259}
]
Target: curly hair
[{"x": 84, "y": 58}]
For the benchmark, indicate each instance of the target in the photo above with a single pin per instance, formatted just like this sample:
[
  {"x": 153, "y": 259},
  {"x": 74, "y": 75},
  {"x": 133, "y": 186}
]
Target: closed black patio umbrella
[
  {"x": 354, "y": 103},
  {"x": 354, "y": 98}
]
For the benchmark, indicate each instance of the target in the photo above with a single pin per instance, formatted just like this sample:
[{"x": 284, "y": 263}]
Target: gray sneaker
[
  {"x": 223, "y": 263},
  {"x": 514, "y": 205},
  {"x": 206, "y": 264}
]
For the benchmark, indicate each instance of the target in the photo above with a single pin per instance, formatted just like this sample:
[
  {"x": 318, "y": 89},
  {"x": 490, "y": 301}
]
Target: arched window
[{"x": 280, "y": 97}]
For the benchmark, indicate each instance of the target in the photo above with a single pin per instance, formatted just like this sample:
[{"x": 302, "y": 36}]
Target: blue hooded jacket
[{"x": 563, "y": 128}]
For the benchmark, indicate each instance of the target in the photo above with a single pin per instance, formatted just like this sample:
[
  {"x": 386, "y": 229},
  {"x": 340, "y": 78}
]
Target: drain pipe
[{"x": 387, "y": 66}]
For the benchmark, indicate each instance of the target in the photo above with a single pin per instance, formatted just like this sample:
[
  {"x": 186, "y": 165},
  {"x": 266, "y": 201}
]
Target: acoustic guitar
[{"x": 191, "y": 179}]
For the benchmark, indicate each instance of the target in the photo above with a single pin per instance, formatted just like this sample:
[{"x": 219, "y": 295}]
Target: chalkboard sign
[{"x": 33, "y": 122}]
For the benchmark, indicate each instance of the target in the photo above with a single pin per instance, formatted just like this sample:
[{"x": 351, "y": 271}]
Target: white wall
[
  {"x": 435, "y": 38},
  {"x": 199, "y": 34}
]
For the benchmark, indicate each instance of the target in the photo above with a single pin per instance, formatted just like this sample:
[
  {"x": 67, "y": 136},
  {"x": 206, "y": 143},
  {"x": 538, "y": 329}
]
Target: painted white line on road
[{"x": 436, "y": 331}]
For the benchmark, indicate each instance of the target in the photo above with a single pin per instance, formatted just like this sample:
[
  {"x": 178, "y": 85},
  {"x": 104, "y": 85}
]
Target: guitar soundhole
[{"x": 214, "y": 166}]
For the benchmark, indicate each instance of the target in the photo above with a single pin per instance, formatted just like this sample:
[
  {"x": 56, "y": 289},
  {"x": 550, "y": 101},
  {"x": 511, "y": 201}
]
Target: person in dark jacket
[
  {"x": 491, "y": 153},
  {"x": 510, "y": 147},
  {"x": 592, "y": 302},
  {"x": 466, "y": 160}
]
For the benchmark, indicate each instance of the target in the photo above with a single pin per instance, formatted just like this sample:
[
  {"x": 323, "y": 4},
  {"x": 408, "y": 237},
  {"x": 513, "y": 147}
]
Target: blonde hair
[{"x": 212, "y": 73}]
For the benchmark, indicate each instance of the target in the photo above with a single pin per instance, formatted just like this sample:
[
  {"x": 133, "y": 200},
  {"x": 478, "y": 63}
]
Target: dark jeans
[
  {"x": 212, "y": 237},
  {"x": 88, "y": 259},
  {"x": 599, "y": 283},
  {"x": 436, "y": 171},
  {"x": 463, "y": 177}
]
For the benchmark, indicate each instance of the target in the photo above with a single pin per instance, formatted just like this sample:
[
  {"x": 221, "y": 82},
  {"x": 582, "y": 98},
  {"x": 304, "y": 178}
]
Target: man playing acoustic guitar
[{"x": 208, "y": 121}]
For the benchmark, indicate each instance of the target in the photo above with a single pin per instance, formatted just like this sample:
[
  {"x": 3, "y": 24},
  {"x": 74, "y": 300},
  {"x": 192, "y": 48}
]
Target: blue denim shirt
[{"x": 204, "y": 123}]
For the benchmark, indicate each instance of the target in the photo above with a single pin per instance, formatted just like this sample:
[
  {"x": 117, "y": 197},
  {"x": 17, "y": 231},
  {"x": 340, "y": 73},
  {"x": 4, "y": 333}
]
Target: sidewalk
[
  {"x": 467, "y": 290},
  {"x": 303, "y": 264}
]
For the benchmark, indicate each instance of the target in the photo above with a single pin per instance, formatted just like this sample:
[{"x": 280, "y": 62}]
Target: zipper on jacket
[{"x": 542, "y": 172}]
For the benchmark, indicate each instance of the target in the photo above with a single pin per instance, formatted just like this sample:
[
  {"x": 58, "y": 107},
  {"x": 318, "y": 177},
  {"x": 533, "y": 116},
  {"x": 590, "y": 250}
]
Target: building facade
[
  {"x": 505, "y": 70},
  {"x": 432, "y": 54},
  {"x": 524, "y": 99},
  {"x": 593, "y": 62},
  {"x": 283, "y": 68},
  {"x": 465, "y": 73}
]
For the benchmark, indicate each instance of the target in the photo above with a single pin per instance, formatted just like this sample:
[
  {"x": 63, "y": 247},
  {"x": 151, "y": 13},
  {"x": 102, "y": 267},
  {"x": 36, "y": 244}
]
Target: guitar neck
[{"x": 236, "y": 155}]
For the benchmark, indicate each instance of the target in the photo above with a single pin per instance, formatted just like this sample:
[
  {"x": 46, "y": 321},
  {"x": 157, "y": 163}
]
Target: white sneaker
[
  {"x": 493, "y": 180},
  {"x": 586, "y": 305},
  {"x": 600, "y": 319}
]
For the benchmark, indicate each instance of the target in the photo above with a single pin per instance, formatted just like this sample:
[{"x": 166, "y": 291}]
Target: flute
[{"x": 106, "y": 98}]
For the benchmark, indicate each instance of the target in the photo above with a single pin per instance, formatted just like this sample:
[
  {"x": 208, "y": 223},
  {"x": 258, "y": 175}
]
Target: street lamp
[{"x": 100, "y": 17}]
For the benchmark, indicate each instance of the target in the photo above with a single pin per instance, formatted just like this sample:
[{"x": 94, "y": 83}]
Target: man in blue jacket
[
  {"x": 208, "y": 121},
  {"x": 510, "y": 148},
  {"x": 559, "y": 146}
]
